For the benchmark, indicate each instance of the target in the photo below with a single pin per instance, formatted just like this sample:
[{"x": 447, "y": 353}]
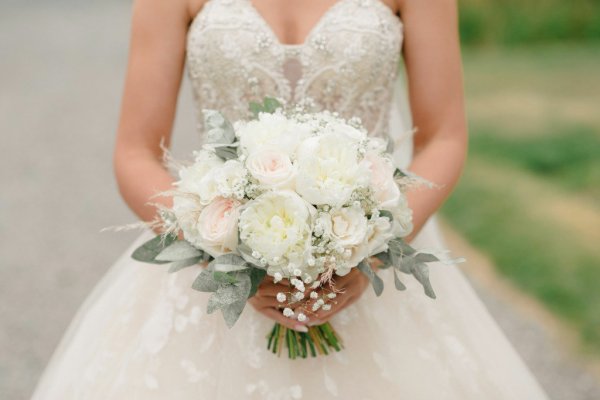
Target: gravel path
[{"x": 60, "y": 83}]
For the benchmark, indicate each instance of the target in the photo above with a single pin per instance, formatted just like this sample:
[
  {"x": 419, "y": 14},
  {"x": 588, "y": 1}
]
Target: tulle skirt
[{"x": 145, "y": 334}]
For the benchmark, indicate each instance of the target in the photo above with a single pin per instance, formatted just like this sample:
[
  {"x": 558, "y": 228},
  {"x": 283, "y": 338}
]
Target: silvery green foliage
[
  {"x": 376, "y": 281},
  {"x": 232, "y": 281},
  {"x": 220, "y": 134},
  {"x": 151, "y": 249},
  {"x": 402, "y": 258},
  {"x": 219, "y": 130}
]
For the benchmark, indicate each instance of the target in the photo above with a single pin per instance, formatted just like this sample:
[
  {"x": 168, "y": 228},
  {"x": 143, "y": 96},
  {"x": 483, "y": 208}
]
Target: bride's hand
[{"x": 350, "y": 288}]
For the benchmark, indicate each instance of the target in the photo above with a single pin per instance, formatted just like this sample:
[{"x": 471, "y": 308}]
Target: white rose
[
  {"x": 277, "y": 225},
  {"x": 379, "y": 234},
  {"x": 217, "y": 231},
  {"x": 197, "y": 178},
  {"x": 271, "y": 130},
  {"x": 357, "y": 254},
  {"x": 230, "y": 179},
  {"x": 272, "y": 168},
  {"x": 402, "y": 224},
  {"x": 387, "y": 193},
  {"x": 328, "y": 169},
  {"x": 339, "y": 126},
  {"x": 348, "y": 226}
]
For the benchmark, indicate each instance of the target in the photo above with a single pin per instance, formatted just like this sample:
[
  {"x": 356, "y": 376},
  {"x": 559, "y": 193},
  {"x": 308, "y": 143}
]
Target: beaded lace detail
[{"x": 348, "y": 62}]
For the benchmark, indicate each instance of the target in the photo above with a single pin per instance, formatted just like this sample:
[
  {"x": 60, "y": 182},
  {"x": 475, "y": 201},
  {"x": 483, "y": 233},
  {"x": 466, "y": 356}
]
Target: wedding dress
[{"x": 144, "y": 333}]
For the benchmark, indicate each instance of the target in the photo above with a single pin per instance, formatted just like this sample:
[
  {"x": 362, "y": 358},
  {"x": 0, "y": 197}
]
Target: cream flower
[
  {"x": 277, "y": 226},
  {"x": 386, "y": 190},
  {"x": 272, "y": 168},
  {"x": 197, "y": 178},
  {"x": 271, "y": 130},
  {"x": 328, "y": 169},
  {"x": 217, "y": 231},
  {"x": 348, "y": 226},
  {"x": 402, "y": 224},
  {"x": 230, "y": 179},
  {"x": 380, "y": 232}
]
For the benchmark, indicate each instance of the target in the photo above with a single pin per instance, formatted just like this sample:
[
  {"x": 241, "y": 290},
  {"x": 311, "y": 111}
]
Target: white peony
[
  {"x": 386, "y": 190},
  {"x": 272, "y": 168},
  {"x": 277, "y": 225},
  {"x": 339, "y": 126},
  {"x": 197, "y": 178},
  {"x": 187, "y": 208},
  {"x": 271, "y": 130},
  {"x": 329, "y": 170},
  {"x": 217, "y": 231}
]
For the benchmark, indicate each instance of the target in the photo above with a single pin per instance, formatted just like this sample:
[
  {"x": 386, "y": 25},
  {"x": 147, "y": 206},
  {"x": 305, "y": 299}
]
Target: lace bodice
[{"x": 348, "y": 62}]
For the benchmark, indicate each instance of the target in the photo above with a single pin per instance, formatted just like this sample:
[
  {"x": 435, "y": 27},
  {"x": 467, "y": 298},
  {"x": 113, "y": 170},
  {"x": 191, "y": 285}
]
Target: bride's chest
[{"x": 352, "y": 52}]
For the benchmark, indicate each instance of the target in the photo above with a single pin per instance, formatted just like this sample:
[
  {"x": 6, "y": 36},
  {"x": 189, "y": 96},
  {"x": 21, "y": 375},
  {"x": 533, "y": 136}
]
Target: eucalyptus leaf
[
  {"x": 231, "y": 313},
  {"x": 426, "y": 257},
  {"x": 385, "y": 259},
  {"x": 226, "y": 152},
  {"x": 148, "y": 251},
  {"x": 178, "y": 251},
  {"x": 224, "y": 277},
  {"x": 376, "y": 281},
  {"x": 228, "y": 263},
  {"x": 399, "y": 285},
  {"x": 205, "y": 282},
  {"x": 219, "y": 129},
  {"x": 398, "y": 173},
  {"x": 406, "y": 264},
  {"x": 399, "y": 247},
  {"x": 421, "y": 273},
  {"x": 179, "y": 265}
]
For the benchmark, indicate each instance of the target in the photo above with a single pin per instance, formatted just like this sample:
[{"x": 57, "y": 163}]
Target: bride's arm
[
  {"x": 154, "y": 73},
  {"x": 434, "y": 71}
]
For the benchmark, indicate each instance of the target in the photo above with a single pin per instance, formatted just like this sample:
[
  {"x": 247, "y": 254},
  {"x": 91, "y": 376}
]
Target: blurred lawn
[{"x": 530, "y": 195}]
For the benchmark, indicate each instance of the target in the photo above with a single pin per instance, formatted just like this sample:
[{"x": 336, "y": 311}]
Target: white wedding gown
[{"x": 144, "y": 333}]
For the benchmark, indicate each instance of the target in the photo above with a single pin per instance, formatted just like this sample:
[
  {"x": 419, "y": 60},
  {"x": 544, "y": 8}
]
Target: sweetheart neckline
[{"x": 312, "y": 32}]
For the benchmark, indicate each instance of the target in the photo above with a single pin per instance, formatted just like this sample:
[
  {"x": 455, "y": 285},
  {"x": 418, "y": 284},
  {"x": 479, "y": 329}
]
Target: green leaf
[
  {"x": 376, "y": 281},
  {"x": 228, "y": 263},
  {"x": 426, "y": 257},
  {"x": 231, "y": 313},
  {"x": 421, "y": 273},
  {"x": 398, "y": 247},
  {"x": 256, "y": 277},
  {"x": 219, "y": 129},
  {"x": 226, "y": 152},
  {"x": 398, "y": 173},
  {"x": 229, "y": 294},
  {"x": 205, "y": 282},
  {"x": 399, "y": 285},
  {"x": 224, "y": 277},
  {"x": 149, "y": 250},
  {"x": 406, "y": 264},
  {"x": 387, "y": 214},
  {"x": 179, "y": 265},
  {"x": 269, "y": 105},
  {"x": 178, "y": 251},
  {"x": 385, "y": 259}
]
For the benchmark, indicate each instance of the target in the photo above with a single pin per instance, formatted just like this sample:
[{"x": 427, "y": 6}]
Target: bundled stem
[{"x": 319, "y": 340}]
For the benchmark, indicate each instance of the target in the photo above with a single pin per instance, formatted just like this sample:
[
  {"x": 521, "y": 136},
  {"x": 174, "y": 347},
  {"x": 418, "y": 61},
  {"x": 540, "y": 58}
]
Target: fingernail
[{"x": 301, "y": 328}]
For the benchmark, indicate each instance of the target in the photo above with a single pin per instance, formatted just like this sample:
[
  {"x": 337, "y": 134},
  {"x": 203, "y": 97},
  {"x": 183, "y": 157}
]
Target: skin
[{"x": 154, "y": 74}]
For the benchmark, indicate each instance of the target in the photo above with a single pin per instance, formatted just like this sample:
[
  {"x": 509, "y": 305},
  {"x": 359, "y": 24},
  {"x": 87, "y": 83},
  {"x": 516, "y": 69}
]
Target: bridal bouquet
[{"x": 299, "y": 196}]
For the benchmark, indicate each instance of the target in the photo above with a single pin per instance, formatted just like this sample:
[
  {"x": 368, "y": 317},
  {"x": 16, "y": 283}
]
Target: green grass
[{"x": 530, "y": 194}]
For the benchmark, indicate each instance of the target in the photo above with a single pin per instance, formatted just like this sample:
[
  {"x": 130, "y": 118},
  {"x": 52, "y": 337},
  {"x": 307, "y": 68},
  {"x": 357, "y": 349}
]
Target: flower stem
[{"x": 320, "y": 339}]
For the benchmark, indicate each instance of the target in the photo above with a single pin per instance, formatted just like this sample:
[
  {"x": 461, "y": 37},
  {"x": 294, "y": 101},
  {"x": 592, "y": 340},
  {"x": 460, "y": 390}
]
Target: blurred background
[{"x": 526, "y": 213}]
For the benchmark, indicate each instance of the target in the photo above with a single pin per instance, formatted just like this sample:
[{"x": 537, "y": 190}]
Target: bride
[{"x": 144, "y": 334}]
